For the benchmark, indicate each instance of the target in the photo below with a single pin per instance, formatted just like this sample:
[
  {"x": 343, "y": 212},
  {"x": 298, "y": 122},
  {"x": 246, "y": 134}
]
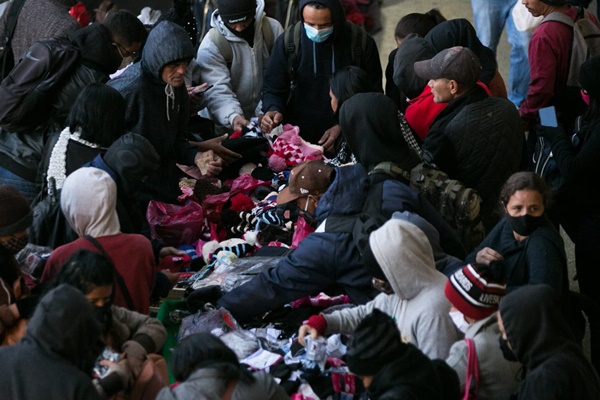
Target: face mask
[
  {"x": 525, "y": 224},
  {"x": 585, "y": 97},
  {"x": 506, "y": 351},
  {"x": 15, "y": 244},
  {"x": 459, "y": 320},
  {"x": 104, "y": 316},
  {"x": 318, "y": 35}
]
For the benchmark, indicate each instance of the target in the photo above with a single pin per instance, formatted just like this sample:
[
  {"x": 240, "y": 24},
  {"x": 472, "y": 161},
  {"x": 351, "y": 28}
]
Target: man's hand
[
  {"x": 270, "y": 120},
  {"x": 487, "y": 255},
  {"x": 170, "y": 251},
  {"x": 196, "y": 95},
  {"x": 239, "y": 122},
  {"x": 306, "y": 330},
  {"x": 329, "y": 138},
  {"x": 215, "y": 146},
  {"x": 208, "y": 163}
]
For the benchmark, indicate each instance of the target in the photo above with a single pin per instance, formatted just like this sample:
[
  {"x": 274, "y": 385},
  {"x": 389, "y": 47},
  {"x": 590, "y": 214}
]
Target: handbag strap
[
  {"x": 9, "y": 31},
  {"x": 472, "y": 378},
  {"x": 118, "y": 276}
]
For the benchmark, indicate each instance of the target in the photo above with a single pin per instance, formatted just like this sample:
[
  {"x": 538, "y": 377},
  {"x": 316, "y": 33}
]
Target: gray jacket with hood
[
  {"x": 418, "y": 304},
  {"x": 237, "y": 87},
  {"x": 54, "y": 359},
  {"x": 157, "y": 110}
]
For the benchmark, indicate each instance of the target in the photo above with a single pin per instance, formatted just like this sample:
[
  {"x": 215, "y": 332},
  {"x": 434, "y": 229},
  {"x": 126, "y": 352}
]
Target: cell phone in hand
[{"x": 548, "y": 117}]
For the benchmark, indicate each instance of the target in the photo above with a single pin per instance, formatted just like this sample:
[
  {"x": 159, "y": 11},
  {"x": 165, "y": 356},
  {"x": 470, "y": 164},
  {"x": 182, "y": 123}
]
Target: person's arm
[
  {"x": 458, "y": 361},
  {"x": 276, "y": 83},
  {"x": 372, "y": 65},
  {"x": 304, "y": 272},
  {"x": 435, "y": 334},
  {"x": 221, "y": 101},
  {"x": 546, "y": 260},
  {"x": 145, "y": 331}
]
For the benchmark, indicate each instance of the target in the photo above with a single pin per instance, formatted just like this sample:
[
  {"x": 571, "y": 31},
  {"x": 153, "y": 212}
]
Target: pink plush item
[
  {"x": 290, "y": 150},
  {"x": 241, "y": 202}
]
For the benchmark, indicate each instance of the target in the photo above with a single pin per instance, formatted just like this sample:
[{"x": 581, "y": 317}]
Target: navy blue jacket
[{"x": 324, "y": 259}]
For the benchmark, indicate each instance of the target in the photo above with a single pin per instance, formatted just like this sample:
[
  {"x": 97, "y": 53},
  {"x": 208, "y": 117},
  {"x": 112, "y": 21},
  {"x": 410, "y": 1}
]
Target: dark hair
[
  {"x": 524, "y": 180},
  {"x": 592, "y": 112},
  {"x": 347, "y": 82},
  {"x": 85, "y": 270},
  {"x": 418, "y": 23},
  {"x": 126, "y": 26},
  {"x": 91, "y": 112},
  {"x": 9, "y": 268},
  {"x": 203, "y": 350},
  {"x": 318, "y": 6}
]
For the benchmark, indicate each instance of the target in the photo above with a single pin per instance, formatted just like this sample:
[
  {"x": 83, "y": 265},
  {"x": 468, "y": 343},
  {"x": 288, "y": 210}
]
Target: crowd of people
[{"x": 101, "y": 120}]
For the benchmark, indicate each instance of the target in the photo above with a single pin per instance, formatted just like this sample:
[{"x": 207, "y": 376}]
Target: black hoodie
[
  {"x": 309, "y": 104},
  {"x": 541, "y": 340},
  {"x": 54, "y": 359}
]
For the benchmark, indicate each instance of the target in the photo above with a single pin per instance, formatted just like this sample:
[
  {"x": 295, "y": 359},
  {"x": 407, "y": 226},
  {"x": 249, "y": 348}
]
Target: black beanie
[
  {"x": 555, "y": 2},
  {"x": 234, "y": 11},
  {"x": 589, "y": 78},
  {"x": 374, "y": 343}
]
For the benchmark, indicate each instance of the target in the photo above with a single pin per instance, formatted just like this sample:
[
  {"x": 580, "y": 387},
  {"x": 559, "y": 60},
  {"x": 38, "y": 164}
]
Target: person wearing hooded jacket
[
  {"x": 327, "y": 50},
  {"x": 536, "y": 335},
  {"x": 237, "y": 86},
  {"x": 102, "y": 48},
  {"x": 324, "y": 258},
  {"x": 403, "y": 267},
  {"x": 158, "y": 108},
  {"x": 57, "y": 353},
  {"x": 93, "y": 213}
]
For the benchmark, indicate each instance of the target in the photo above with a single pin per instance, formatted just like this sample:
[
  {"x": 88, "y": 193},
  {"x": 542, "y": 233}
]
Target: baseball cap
[
  {"x": 310, "y": 177},
  {"x": 456, "y": 63}
]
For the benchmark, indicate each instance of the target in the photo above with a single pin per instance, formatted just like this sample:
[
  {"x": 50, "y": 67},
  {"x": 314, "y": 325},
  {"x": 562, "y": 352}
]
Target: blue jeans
[
  {"x": 29, "y": 189},
  {"x": 490, "y": 17}
]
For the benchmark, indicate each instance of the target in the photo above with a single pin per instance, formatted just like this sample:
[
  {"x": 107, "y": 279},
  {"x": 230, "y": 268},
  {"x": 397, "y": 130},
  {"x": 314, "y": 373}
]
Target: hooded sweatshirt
[
  {"x": 418, "y": 304},
  {"x": 309, "y": 105},
  {"x": 237, "y": 87},
  {"x": 373, "y": 133},
  {"x": 157, "y": 110},
  {"x": 54, "y": 359},
  {"x": 88, "y": 202},
  {"x": 540, "y": 339}
]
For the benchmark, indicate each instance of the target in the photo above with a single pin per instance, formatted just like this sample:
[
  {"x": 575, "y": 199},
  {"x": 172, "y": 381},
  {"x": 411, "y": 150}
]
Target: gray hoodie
[
  {"x": 418, "y": 304},
  {"x": 237, "y": 87}
]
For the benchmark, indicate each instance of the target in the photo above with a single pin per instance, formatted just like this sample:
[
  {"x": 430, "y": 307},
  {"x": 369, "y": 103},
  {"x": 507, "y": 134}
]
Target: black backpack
[{"x": 26, "y": 93}]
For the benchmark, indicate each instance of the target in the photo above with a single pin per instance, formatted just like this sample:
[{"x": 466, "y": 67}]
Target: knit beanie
[
  {"x": 475, "y": 291},
  {"x": 589, "y": 77},
  {"x": 234, "y": 11},
  {"x": 374, "y": 343},
  {"x": 555, "y": 2},
  {"x": 15, "y": 212}
]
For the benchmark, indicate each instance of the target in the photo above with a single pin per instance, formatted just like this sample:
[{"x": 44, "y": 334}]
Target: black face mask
[
  {"x": 506, "y": 351},
  {"x": 525, "y": 224},
  {"x": 247, "y": 34},
  {"x": 104, "y": 316}
]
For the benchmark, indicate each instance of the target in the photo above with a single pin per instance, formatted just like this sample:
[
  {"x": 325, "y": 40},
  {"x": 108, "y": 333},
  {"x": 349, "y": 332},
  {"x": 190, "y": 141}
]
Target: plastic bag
[
  {"x": 175, "y": 225},
  {"x": 233, "y": 273},
  {"x": 242, "y": 342},
  {"x": 216, "y": 322}
]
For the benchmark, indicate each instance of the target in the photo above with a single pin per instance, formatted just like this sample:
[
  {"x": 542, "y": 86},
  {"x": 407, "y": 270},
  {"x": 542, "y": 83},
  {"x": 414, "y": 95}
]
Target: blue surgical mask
[{"x": 318, "y": 35}]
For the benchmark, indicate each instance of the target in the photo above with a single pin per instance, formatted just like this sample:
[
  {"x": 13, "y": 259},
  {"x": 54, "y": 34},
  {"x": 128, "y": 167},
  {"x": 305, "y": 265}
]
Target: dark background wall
[{"x": 133, "y": 5}]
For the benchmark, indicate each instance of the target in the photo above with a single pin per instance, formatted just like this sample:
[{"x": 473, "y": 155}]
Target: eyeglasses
[{"x": 124, "y": 52}]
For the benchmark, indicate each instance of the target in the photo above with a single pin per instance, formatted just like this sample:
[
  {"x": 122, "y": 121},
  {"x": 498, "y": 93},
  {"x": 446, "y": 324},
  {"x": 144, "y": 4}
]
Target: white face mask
[{"x": 459, "y": 320}]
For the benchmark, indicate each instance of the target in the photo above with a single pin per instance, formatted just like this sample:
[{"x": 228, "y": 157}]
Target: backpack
[
  {"x": 27, "y": 91},
  {"x": 586, "y": 40},
  {"x": 291, "y": 39},
  {"x": 7, "y": 58},
  {"x": 225, "y": 47}
]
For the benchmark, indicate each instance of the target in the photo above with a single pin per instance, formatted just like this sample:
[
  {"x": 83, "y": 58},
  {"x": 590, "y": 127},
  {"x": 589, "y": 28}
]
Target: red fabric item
[
  {"x": 318, "y": 322},
  {"x": 549, "y": 58},
  {"x": 421, "y": 112},
  {"x": 241, "y": 202},
  {"x": 133, "y": 258},
  {"x": 79, "y": 12}
]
